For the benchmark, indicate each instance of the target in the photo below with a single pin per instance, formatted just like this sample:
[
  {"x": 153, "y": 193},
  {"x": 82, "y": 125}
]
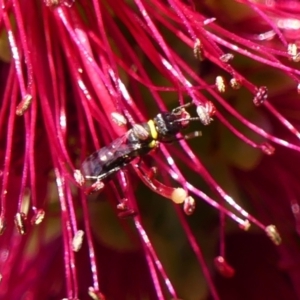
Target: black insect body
[
  {"x": 137, "y": 142},
  {"x": 111, "y": 158}
]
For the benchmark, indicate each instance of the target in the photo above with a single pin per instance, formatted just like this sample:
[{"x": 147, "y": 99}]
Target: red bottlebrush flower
[{"x": 97, "y": 96}]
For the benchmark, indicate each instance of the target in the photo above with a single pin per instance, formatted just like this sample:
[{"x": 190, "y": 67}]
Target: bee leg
[
  {"x": 104, "y": 175},
  {"x": 95, "y": 187},
  {"x": 98, "y": 184},
  {"x": 81, "y": 180}
]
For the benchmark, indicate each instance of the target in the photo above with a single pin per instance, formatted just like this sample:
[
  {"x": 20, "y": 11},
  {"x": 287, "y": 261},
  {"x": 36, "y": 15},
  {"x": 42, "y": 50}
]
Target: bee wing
[{"x": 108, "y": 157}]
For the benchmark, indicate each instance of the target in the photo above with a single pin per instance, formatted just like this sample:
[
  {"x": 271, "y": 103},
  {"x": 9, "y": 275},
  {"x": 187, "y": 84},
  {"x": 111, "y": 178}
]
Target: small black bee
[{"x": 137, "y": 142}]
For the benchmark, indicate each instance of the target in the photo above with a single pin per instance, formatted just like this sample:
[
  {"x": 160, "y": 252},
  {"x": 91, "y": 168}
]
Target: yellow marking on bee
[
  {"x": 153, "y": 130},
  {"x": 152, "y": 144}
]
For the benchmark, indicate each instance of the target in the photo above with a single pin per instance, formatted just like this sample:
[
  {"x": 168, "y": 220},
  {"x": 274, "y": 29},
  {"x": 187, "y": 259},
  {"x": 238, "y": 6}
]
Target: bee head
[{"x": 168, "y": 124}]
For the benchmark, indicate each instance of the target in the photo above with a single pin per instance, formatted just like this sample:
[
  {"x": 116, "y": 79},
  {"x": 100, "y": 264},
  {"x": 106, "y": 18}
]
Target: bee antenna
[
  {"x": 187, "y": 119},
  {"x": 182, "y": 106}
]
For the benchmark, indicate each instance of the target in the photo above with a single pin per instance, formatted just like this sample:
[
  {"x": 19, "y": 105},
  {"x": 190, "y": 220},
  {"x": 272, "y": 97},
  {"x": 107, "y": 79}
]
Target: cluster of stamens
[{"x": 97, "y": 96}]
